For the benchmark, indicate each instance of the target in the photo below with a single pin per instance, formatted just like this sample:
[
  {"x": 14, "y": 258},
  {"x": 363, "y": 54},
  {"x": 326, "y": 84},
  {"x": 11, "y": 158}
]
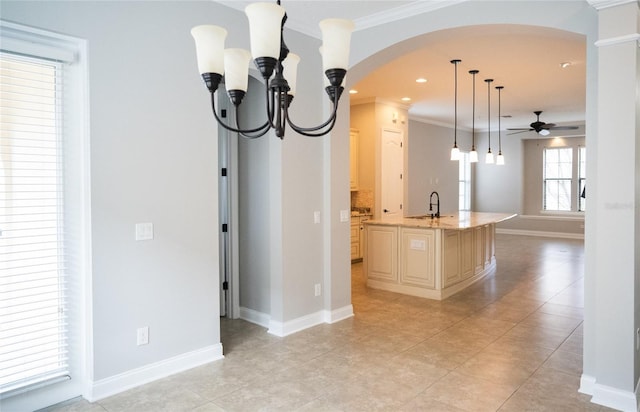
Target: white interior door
[{"x": 391, "y": 173}]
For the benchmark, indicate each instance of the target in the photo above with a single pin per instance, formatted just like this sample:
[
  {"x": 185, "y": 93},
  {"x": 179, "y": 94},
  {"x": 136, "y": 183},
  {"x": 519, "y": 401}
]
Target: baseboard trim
[
  {"x": 333, "y": 316},
  {"x": 253, "y": 316},
  {"x": 124, "y": 381},
  {"x": 519, "y": 232},
  {"x": 610, "y": 397},
  {"x": 295, "y": 325}
]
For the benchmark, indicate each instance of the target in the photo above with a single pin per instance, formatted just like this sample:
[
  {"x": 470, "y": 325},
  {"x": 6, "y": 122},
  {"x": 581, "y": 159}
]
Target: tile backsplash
[{"x": 362, "y": 201}]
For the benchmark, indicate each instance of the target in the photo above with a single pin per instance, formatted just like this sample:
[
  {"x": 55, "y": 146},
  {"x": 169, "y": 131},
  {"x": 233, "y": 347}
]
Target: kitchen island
[{"x": 430, "y": 257}]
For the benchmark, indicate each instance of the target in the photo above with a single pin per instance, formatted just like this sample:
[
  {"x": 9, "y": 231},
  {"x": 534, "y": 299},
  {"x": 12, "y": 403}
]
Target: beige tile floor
[{"x": 512, "y": 342}]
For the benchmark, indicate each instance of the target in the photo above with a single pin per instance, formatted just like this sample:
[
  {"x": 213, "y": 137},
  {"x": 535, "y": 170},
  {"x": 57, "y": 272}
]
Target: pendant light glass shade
[
  {"x": 210, "y": 48},
  {"x": 336, "y": 40},
  {"x": 500, "y": 157},
  {"x": 265, "y": 29},
  {"x": 488, "y": 159},
  {"x": 473, "y": 156},
  {"x": 236, "y": 67},
  {"x": 455, "y": 152},
  {"x": 290, "y": 71}
]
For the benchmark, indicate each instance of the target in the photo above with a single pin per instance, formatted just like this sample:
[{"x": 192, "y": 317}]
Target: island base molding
[{"x": 430, "y": 293}]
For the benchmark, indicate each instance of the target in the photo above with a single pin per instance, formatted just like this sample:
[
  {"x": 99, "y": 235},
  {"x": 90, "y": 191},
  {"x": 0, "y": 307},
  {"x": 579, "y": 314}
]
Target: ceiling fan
[{"x": 542, "y": 128}]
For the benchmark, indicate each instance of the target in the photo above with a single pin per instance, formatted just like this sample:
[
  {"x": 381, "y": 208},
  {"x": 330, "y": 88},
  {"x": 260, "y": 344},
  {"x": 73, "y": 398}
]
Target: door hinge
[
  {"x": 223, "y": 113},
  {"x": 400, "y": 176},
  {"x": 223, "y": 172},
  {"x": 225, "y": 228},
  {"x": 400, "y": 144},
  {"x": 400, "y": 207},
  {"x": 225, "y": 285}
]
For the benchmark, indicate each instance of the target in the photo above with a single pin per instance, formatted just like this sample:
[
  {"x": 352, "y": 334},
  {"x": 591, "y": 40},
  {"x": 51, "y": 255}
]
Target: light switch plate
[
  {"x": 144, "y": 231},
  {"x": 316, "y": 217},
  {"x": 345, "y": 215}
]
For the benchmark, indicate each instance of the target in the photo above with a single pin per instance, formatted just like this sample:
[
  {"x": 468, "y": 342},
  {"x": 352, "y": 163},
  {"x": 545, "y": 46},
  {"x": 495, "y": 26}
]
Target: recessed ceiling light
[
  {"x": 406, "y": 99},
  {"x": 564, "y": 65},
  {"x": 421, "y": 80},
  {"x": 353, "y": 91}
]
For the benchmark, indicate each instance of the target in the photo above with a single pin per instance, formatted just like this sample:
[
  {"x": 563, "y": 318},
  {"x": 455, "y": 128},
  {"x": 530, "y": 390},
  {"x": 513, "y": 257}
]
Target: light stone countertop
[{"x": 461, "y": 220}]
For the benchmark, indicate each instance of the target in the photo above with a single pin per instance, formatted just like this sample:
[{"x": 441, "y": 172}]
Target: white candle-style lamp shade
[
  {"x": 500, "y": 159},
  {"x": 473, "y": 156},
  {"x": 290, "y": 71},
  {"x": 489, "y": 158},
  {"x": 209, "y": 48},
  {"x": 336, "y": 40},
  {"x": 455, "y": 153},
  {"x": 265, "y": 24},
  {"x": 236, "y": 66}
]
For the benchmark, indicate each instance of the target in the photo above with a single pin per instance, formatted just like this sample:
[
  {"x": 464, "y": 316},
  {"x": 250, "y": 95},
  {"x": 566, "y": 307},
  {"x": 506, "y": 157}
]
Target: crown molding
[
  {"x": 402, "y": 12},
  {"x": 605, "y": 4}
]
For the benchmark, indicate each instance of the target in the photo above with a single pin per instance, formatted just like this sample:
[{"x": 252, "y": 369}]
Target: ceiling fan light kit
[
  {"x": 277, "y": 66},
  {"x": 540, "y": 127}
]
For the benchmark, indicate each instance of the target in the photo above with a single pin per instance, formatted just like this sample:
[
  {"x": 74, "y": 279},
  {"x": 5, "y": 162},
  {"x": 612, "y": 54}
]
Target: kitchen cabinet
[
  {"x": 357, "y": 236},
  {"x": 382, "y": 253},
  {"x": 431, "y": 258}
]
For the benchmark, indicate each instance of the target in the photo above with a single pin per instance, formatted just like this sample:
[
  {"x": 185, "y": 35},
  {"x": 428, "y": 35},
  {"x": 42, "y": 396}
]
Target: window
[
  {"x": 32, "y": 295},
  {"x": 44, "y": 217},
  {"x": 557, "y": 178},
  {"x": 582, "y": 178},
  {"x": 464, "y": 182}
]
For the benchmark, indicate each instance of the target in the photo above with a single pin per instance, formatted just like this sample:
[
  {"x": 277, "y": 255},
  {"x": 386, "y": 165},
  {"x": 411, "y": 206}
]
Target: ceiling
[{"x": 526, "y": 60}]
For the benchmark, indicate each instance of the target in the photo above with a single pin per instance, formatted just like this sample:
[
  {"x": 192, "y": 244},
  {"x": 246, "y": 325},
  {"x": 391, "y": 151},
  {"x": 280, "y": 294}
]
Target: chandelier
[{"x": 277, "y": 66}]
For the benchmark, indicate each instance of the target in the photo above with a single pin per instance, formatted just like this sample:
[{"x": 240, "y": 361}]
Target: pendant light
[
  {"x": 500, "y": 157},
  {"x": 489, "y": 156},
  {"x": 473, "y": 155},
  {"x": 455, "y": 152}
]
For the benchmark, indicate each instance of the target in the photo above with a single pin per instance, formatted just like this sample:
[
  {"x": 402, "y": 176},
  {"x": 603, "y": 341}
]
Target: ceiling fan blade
[
  {"x": 564, "y": 127},
  {"x": 519, "y": 131},
  {"x": 547, "y": 125},
  {"x": 519, "y": 128}
]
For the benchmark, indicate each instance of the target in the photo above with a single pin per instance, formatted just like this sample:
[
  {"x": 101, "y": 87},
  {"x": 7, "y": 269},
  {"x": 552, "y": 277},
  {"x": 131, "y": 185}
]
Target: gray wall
[
  {"x": 153, "y": 159},
  {"x": 430, "y": 168}
]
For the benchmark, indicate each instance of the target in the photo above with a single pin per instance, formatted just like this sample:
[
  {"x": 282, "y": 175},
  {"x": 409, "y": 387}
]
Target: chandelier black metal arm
[
  {"x": 324, "y": 128},
  {"x": 212, "y": 80}
]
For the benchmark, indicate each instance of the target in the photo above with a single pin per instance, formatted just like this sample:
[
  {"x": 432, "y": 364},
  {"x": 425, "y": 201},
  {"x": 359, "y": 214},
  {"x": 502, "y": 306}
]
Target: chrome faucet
[{"x": 437, "y": 214}]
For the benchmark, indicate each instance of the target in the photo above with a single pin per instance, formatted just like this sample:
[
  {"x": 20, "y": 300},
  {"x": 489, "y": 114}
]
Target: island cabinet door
[
  {"x": 466, "y": 254},
  {"x": 478, "y": 243},
  {"x": 489, "y": 248},
  {"x": 417, "y": 257},
  {"x": 382, "y": 253},
  {"x": 451, "y": 272}
]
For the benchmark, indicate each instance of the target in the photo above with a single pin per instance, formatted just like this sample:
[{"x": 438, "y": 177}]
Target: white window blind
[{"x": 33, "y": 327}]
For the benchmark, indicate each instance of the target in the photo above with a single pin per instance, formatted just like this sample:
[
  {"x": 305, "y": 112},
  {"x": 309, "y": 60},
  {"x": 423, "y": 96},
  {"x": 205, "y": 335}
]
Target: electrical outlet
[
  {"x": 318, "y": 289},
  {"x": 143, "y": 335},
  {"x": 316, "y": 217}
]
